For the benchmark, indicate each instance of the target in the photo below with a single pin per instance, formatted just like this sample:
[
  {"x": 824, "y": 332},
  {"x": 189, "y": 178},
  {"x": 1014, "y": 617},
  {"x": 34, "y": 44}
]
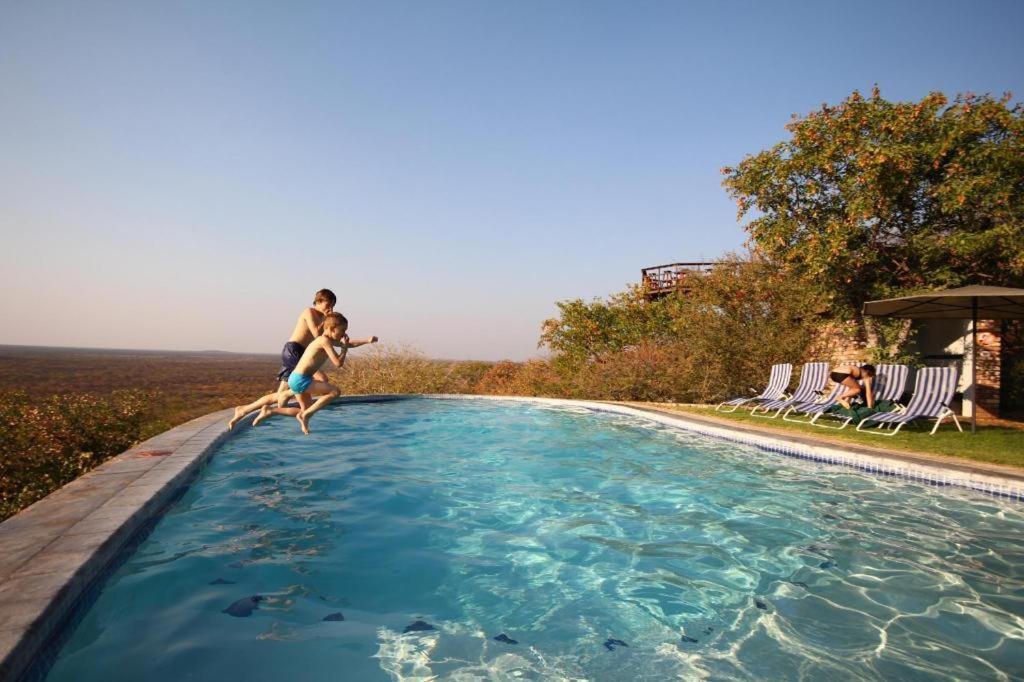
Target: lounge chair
[
  {"x": 777, "y": 383},
  {"x": 933, "y": 392},
  {"x": 889, "y": 385},
  {"x": 812, "y": 381}
]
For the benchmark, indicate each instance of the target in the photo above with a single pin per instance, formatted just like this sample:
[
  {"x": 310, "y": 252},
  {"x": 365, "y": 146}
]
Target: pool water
[{"x": 592, "y": 546}]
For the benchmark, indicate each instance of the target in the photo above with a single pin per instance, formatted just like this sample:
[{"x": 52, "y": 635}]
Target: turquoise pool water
[{"x": 601, "y": 547}]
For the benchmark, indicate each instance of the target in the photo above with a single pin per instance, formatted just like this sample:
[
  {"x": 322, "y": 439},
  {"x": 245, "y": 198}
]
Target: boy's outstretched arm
[{"x": 355, "y": 343}]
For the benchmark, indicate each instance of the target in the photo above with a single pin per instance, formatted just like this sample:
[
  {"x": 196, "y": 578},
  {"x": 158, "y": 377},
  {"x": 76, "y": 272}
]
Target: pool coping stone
[{"x": 55, "y": 550}]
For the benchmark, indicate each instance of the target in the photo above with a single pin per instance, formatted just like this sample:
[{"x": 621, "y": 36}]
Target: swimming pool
[{"x": 466, "y": 539}]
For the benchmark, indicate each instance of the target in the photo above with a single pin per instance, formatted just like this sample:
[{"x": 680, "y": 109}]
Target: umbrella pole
[{"x": 974, "y": 362}]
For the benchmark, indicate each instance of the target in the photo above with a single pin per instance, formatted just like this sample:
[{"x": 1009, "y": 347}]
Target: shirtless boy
[
  {"x": 849, "y": 376},
  {"x": 302, "y": 382},
  {"x": 307, "y": 328}
]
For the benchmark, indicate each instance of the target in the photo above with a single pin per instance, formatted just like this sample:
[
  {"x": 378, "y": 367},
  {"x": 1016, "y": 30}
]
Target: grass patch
[{"x": 993, "y": 444}]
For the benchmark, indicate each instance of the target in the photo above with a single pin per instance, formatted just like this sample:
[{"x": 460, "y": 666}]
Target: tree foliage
[
  {"x": 716, "y": 339},
  {"x": 591, "y": 330},
  {"x": 871, "y": 198}
]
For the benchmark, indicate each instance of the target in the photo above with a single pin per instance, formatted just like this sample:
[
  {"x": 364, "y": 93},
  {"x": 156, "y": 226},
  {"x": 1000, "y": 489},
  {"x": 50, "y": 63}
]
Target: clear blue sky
[{"x": 184, "y": 175}]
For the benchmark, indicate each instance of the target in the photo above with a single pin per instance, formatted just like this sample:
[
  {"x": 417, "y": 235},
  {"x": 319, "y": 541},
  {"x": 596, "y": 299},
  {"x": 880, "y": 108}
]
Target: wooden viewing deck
[{"x": 662, "y": 280}]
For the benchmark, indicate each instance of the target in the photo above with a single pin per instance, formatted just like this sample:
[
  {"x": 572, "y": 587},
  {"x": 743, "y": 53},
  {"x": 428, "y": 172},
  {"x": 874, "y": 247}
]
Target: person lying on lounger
[{"x": 857, "y": 381}]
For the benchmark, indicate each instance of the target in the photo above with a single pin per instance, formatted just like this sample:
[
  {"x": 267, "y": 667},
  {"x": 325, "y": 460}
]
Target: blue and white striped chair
[
  {"x": 891, "y": 383},
  {"x": 812, "y": 381},
  {"x": 776, "y": 389},
  {"x": 933, "y": 392}
]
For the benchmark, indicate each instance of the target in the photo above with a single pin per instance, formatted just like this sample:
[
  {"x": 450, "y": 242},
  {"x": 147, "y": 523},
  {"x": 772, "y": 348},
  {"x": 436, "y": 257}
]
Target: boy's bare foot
[
  {"x": 303, "y": 422},
  {"x": 239, "y": 413},
  {"x": 264, "y": 413}
]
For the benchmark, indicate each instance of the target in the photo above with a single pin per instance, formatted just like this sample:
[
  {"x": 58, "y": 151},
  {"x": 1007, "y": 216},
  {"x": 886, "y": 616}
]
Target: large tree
[{"x": 872, "y": 198}]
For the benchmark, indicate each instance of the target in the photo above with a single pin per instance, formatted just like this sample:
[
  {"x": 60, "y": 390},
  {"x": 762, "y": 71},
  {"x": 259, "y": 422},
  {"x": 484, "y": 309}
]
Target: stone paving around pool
[{"x": 54, "y": 551}]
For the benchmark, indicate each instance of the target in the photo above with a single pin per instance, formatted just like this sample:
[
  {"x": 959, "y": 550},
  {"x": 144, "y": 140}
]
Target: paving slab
[{"x": 138, "y": 466}]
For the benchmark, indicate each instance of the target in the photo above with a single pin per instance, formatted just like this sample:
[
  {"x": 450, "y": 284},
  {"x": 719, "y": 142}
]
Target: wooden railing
[{"x": 661, "y": 280}]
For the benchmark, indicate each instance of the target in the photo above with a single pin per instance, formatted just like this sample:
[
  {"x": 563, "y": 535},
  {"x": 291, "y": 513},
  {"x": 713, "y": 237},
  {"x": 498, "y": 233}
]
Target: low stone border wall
[{"x": 53, "y": 552}]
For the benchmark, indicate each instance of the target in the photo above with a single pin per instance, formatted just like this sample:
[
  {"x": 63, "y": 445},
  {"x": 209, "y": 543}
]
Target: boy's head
[
  {"x": 335, "y": 326},
  {"x": 868, "y": 369},
  {"x": 325, "y": 300}
]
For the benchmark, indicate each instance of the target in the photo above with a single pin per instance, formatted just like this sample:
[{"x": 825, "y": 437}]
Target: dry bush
[
  {"x": 646, "y": 371},
  {"x": 399, "y": 369},
  {"x": 533, "y": 377},
  {"x": 49, "y": 442}
]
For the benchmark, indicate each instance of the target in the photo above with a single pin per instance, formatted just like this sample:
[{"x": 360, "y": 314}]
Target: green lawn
[{"x": 996, "y": 444}]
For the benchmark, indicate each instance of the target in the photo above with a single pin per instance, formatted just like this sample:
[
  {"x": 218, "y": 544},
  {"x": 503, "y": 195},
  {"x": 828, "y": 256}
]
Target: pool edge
[
  {"x": 55, "y": 549},
  {"x": 60, "y": 546}
]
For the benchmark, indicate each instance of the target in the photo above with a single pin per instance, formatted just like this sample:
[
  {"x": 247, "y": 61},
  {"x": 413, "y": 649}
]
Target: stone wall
[
  {"x": 989, "y": 370},
  {"x": 839, "y": 342}
]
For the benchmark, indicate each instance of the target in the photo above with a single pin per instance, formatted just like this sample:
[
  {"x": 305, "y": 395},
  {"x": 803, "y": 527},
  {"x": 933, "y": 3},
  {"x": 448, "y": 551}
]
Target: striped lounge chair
[
  {"x": 933, "y": 392},
  {"x": 889, "y": 385},
  {"x": 812, "y": 381},
  {"x": 776, "y": 389}
]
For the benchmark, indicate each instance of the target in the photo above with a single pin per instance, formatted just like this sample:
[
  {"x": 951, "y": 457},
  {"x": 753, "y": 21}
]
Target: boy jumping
[
  {"x": 302, "y": 382},
  {"x": 307, "y": 327}
]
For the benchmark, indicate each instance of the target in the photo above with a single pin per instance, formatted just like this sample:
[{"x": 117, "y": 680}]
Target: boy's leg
[
  {"x": 852, "y": 389},
  {"x": 267, "y": 411},
  {"x": 282, "y": 386},
  {"x": 304, "y": 402},
  {"x": 326, "y": 393},
  {"x": 243, "y": 410}
]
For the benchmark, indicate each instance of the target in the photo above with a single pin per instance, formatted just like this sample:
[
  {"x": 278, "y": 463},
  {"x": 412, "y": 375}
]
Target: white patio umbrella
[{"x": 965, "y": 303}]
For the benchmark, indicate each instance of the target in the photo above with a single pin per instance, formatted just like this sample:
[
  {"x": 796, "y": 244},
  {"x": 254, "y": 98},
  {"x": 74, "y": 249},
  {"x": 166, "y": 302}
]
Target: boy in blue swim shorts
[{"x": 302, "y": 382}]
